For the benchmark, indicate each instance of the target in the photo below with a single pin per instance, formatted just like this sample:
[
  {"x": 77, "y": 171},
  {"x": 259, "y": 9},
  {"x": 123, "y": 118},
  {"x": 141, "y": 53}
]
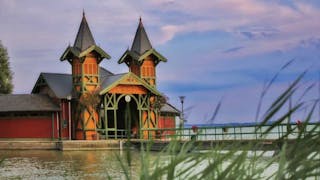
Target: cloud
[
  {"x": 234, "y": 49},
  {"x": 168, "y": 32},
  {"x": 214, "y": 48},
  {"x": 282, "y": 25},
  {"x": 254, "y": 33},
  {"x": 310, "y": 43}
]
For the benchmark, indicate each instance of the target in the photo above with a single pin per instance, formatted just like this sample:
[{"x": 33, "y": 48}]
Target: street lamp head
[{"x": 182, "y": 99}]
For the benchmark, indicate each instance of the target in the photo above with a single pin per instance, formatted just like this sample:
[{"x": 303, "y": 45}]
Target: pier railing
[{"x": 248, "y": 132}]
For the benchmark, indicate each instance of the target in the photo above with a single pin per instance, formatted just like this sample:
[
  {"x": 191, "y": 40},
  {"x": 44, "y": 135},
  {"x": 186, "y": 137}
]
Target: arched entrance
[
  {"x": 127, "y": 117},
  {"x": 117, "y": 116}
]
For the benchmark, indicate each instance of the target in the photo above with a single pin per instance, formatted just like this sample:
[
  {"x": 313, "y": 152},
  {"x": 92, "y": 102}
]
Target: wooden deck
[
  {"x": 266, "y": 145},
  {"x": 28, "y": 145},
  {"x": 152, "y": 145},
  {"x": 80, "y": 145}
]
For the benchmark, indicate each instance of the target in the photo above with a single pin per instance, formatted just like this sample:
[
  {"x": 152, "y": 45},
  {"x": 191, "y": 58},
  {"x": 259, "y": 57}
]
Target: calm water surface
[
  {"x": 33, "y": 164},
  {"x": 36, "y": 164}
]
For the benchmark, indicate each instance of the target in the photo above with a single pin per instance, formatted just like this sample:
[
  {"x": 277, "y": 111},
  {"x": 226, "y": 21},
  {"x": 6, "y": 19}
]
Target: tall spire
[
  {"x": 141, "y": 41},
  {"x": 84, "y": 37}
]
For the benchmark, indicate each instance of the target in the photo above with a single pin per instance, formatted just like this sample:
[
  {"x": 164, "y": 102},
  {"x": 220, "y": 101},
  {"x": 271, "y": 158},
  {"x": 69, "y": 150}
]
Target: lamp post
[
  {"x": 127, "y": 98},
  {"x": 69, "y": 97},
  {"x": 181, "y": 125}
]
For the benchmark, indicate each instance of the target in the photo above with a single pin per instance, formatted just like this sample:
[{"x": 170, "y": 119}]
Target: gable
[
  {"x": 53, "y": 84},
  {"x": 128, "y": 89},
  {"x": 42, "y": 87},
  {"x": 127, "y": 83}
]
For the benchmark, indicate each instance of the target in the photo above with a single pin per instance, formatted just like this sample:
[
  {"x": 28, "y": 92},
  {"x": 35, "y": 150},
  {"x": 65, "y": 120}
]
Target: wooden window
[
  {"x": 77, "y": 69},
  {"x": 149, "y": 71},
  {"x": 144, "y": 71},
  {"x": 91, "y": 68},
  {"x": 95, "y": 69}
]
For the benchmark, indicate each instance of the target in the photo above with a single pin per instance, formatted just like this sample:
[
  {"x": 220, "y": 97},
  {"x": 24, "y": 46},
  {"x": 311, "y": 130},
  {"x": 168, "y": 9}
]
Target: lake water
[
  {"x": 37, "y": 164},
  {"x": 33, "y": 164},
  {"x": 41, "y": 164}
]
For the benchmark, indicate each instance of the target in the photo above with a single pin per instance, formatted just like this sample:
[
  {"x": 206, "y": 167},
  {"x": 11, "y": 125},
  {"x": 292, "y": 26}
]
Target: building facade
[{"x": 94, "y": 103}]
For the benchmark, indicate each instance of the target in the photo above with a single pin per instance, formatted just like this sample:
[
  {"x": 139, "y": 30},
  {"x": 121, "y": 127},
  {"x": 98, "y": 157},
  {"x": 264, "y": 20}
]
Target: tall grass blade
[
  {"x": 280, "y": 101},
  {"x": 267, "y": 87},
  {"x": 124, "y": 168},
  {"x": 215, "y": 113}
]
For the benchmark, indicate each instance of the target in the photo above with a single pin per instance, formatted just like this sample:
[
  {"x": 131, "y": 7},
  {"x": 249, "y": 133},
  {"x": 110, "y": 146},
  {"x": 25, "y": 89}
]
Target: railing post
[
  {"x": 215, "y": 133},
  {"x": 205, "y": 132},
  {"x": 256, "y": 132},
  {"x": 222, "y": 134}
]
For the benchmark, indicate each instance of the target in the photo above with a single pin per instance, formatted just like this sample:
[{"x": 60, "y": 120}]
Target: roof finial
[
  {"x": 83, "y": 13},
  {"x": 140, "y": 19}
]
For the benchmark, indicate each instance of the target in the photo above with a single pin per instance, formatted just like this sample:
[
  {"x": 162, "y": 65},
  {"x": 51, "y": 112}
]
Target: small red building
[
  {"x": 28, "y": 116},
  {"x": 167, "y": 119}
]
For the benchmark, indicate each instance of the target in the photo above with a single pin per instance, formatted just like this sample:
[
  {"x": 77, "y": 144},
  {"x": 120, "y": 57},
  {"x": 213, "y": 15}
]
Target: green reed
[{"x": 298, "y": 159}]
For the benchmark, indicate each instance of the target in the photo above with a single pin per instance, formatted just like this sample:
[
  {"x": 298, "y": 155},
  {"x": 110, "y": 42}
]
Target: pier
[{"x": 223, "y": 137}]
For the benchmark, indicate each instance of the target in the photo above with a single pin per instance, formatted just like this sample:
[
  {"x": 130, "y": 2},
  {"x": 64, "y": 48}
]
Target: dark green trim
[
  {"x": 130, "y": 55},
  {"x": 111, "y": 102},
  {"x": 127, "y": 56},
  {"x": 153, "y": 52},
  {"x": 71, "y": 52},
  {"x": 97, "y": 49}
]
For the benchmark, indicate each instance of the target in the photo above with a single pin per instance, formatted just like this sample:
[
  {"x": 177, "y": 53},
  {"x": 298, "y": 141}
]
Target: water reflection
[
  {"x": 64, "y": 165},
  {"x": 97, "y": 164}
]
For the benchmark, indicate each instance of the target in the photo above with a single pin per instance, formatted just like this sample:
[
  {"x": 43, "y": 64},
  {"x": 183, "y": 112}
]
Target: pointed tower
[
  {"x": 142, "y": 59},
  {"x": 84, "y": 57}
]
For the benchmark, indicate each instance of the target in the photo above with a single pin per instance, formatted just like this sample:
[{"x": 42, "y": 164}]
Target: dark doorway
[{"x": 127, "y": 111}]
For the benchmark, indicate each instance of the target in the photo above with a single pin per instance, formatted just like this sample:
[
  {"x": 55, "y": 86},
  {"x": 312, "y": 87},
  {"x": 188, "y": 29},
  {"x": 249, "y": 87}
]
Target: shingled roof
[
  {"x": 61, "y": 84},
  {"x": 84, "y": 37},
  {"x": 141, "y": 42},
  {"x": 168, "y": 108},
  {"x": 83, "y": 45},
  {"x": 26, "y": 103},
  {"x": 109, "y": 80},
  {"x": 141, "y": 48}
]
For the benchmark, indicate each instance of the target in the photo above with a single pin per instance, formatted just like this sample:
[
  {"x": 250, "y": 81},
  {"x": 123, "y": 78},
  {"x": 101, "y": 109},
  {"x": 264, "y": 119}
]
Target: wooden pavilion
[{"x": 96, "y": 103}]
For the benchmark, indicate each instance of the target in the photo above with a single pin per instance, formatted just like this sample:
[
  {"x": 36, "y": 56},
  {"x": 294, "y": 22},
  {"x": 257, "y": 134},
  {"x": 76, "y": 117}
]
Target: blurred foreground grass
[{"x": 297, "y": 160}]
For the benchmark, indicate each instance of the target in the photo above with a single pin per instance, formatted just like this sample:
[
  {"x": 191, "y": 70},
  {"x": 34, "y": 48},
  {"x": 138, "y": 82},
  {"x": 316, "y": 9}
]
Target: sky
[{"x": 218, "y": 50}]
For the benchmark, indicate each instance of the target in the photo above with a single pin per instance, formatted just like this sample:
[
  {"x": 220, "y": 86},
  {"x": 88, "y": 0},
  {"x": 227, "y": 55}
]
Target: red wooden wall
[
  {"x": 166, "y": 121},
  {"x": 28, "y": 127},
  {"x": 64, "y": 119}
]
